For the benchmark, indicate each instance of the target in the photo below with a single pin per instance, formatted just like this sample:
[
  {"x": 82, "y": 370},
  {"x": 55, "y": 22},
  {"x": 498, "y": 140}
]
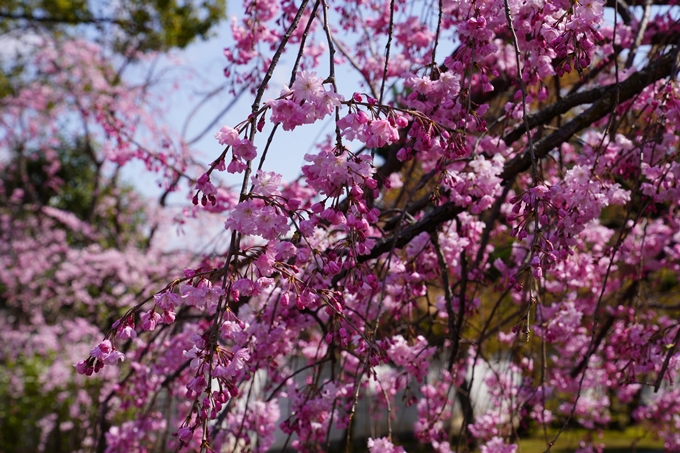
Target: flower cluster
[
  {"x": 458, "y": 196},
  {"x": 306, "y": 102}
]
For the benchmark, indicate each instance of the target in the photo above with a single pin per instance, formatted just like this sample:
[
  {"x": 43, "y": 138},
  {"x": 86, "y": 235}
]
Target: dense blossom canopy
[{"x": 498, "y": 201}]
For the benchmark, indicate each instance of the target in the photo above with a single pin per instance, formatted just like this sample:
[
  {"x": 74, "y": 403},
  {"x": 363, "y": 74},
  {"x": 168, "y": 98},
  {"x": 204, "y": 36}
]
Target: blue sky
[{"x": 203, "y": 63}]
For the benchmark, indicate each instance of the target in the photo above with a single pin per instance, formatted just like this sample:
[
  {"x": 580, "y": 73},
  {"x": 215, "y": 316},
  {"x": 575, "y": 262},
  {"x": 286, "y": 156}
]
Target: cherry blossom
[{"x": 491, "y": 204}]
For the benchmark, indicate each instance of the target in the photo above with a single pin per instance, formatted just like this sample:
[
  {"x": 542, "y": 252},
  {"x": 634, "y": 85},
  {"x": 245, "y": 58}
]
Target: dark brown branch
[
  {"x": 500, "y": 86},
  {"x": 558, "y": 108},
  {"x": 277, "y": 56},
  {"x": 608, "y": 323},
  {"x": 465, "y": 401},
  {"x": 427, "y": 224},
  {"x": 664, "y": 367},
  {"x": 489, "y": 225},
  {"x": 454, "y": 332},
  {"x": 626, "y": 90},
  {"x": 622, "y": 9},
  {"x": 594, "y": 72},
  {"x": 604, "y": 330},
  {"x": 632, "y": 86}
]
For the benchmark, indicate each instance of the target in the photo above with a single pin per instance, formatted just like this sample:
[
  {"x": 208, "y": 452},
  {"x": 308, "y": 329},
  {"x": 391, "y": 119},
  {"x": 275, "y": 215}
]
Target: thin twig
[{"x": 387, "y": 52}]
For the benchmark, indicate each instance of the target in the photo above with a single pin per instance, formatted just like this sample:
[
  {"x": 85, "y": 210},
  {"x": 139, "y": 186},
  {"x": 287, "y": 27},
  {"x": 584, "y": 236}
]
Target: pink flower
[
  {"x": 497, "y": 445},
  {"x": 590, "y": 12},
  {"x": 291, "y": 114},
  {"x": 238, "y": 361},
  {"x": 326, "y": 103},
  {"x": 383, "y": 445},
  {"x": 204, "y": 185},
  {"x": 83, "y": 367},
  {"x": 266, "y": 183},
  {"x": 114, "y": 357},
  {"x": 307, "y": 86},
  {"x": 197, "y": 384},
  {"x": 244, "y": 286},
  {"x": 228, "y": 136},
  {"x": 195, "y": 355},
  {"x": 126, "y": 331},
  {"x": 353, "y": 126},
  {"x": 203, "y": 295},
  {"x": 220, "y": 371},
  {"x": 167, "y": 300},
  {"x": 185, "y": 435},
  {"x": 236, "y": 166},
  {"x": 412, "y": 357},
  {"x": 382, "y": 133},
  {"x": 245, "y": 150},
  {"x": 270, "y": 223},
  {"x": 102, "y": 350},
  {"x": 243, "y": 217},
  {"x": 285, "y": 250},
  {"x": 150, "y": 319},
  {"x": 254, "y": 218},
  {"x": 168, "y": 317},
  {"x": 229, "y": 328}
]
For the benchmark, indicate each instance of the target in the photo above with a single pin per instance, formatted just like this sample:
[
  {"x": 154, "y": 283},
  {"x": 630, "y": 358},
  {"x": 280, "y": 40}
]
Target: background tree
[
  {"x": 139, "y": 25},
  {"x": 77, "y": 243}
]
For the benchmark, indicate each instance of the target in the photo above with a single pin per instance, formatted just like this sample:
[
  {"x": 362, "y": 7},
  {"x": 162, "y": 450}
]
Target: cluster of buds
[{"x": 103, "y": 354}]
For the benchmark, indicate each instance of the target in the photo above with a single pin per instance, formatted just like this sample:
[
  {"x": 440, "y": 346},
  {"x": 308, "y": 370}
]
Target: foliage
[
  {"x": 507, "y": 215},
  {"x": 142, "y": 25},
  {"x": 75, "y": 243},
  {"x": 76, "y": 194}
]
